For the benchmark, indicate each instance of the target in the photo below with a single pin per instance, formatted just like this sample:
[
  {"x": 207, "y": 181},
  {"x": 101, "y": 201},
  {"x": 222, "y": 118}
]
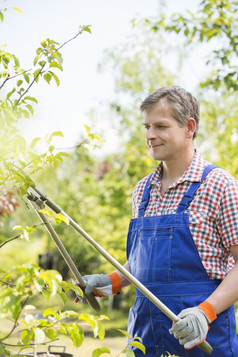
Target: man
[{"x": 183, "y": 238}]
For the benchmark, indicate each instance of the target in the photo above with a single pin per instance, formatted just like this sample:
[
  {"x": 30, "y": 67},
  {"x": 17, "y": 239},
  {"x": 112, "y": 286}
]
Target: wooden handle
[{"x": 206, "y": 347}]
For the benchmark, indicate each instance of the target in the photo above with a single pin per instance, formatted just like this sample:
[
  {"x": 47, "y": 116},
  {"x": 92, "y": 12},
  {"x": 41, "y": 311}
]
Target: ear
[{"x": 191, "y": 127}]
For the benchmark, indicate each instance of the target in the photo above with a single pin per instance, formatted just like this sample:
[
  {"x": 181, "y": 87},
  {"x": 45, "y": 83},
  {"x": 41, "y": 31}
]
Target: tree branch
[
  {"x": 16, "y": 320},
  {"x": 19, "y": 235},
  {"x": 35, "y": 78},
  {"x": 8, "y": 77},
  {"x": 71, "y": 39}
]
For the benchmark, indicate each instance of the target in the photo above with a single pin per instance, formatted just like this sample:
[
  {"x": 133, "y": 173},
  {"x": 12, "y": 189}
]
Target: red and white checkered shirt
[{"x": 213, "y": 213}]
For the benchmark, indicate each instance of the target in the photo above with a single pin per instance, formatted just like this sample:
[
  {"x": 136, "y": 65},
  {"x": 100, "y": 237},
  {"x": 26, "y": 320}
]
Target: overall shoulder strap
[
  {"x": 188, "y": 197},
  {"x": 145, "y": 198}
]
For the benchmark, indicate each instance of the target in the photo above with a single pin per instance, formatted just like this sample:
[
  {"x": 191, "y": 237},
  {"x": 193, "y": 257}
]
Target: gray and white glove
[
  {"x": 97, "y": 283},
  {"x": 194, "y": 323},
  {"x": 102, "y": 284}
]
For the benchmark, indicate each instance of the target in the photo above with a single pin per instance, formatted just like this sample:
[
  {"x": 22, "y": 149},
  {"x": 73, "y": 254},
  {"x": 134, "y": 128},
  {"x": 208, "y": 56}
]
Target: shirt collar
[{"x": 193, "y": 173}]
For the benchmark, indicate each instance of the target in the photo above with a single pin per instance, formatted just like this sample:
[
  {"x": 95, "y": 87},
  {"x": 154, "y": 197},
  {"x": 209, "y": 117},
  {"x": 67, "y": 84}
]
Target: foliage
[
  {"x": 19, "y": 285},
  {"x": 214, "y": 22},
  {"x": 17, "y": 161},
  {"x": 93, "y": 189},
  {"x": 17, "y": 104},
  {"x": 218, "y": 137}
]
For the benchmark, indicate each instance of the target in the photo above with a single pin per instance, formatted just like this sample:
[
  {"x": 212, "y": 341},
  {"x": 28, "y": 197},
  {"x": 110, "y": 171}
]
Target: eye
[
  {"x": 146, "y": 126},
  {"x": 161, "y": 126}
]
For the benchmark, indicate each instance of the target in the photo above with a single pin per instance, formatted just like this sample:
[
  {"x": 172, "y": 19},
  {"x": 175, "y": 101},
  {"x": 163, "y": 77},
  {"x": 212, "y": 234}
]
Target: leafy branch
[{"x": 213, "y": 21}]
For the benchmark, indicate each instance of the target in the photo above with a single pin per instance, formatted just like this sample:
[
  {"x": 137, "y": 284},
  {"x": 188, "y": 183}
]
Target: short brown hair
[{"x": 182, "y": 103}]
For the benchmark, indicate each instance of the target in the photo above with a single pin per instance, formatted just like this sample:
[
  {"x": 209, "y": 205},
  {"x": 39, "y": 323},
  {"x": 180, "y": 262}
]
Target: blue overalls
[{"x": 163, "y": 256}]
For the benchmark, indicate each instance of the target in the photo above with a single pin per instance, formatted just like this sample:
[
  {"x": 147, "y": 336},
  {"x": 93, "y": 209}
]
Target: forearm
[
  {"x": 124, "y": 280},
  {"x": 227, "y": 293}
]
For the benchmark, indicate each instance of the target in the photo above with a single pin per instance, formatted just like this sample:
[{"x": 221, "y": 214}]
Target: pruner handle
[
  {"x": 37, "y": 204},
  {"x": 205, "y": 347}
]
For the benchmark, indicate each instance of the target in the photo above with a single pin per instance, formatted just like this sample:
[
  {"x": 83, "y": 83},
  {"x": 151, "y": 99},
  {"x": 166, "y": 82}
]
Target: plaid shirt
[{"x": 213, "y": 213}]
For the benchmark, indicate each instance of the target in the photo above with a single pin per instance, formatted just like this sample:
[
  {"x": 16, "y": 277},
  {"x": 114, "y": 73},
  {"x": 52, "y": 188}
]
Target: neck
[{"x": 174, "y": 169}]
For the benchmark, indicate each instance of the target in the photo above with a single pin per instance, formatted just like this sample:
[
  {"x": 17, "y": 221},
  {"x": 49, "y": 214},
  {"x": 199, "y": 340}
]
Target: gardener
[{"x": 183, "y": 238}]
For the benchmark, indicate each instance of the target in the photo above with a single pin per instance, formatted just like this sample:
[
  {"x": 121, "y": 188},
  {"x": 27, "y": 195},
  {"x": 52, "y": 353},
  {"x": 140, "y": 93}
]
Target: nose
[{"x": 150, "y": 133}]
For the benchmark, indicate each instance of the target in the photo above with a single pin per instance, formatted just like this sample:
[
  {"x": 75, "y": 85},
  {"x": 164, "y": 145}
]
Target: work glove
[
  {"x": 102, "y": 284},
  {"x": 194, "y": 323}
]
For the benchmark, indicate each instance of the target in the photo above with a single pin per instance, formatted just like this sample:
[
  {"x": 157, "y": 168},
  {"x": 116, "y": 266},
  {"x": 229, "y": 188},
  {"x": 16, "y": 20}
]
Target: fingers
[
  {"x": 178, "y": 327},
  {"x": 90, "y": 285}
]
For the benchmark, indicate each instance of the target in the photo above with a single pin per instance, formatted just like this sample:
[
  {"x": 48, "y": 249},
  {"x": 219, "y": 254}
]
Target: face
[{"x": 166, "y": 139}]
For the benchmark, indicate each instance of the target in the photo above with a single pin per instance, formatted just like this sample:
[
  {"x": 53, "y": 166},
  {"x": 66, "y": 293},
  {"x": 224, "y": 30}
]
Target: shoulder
[
  {"x": 139, "y": 187},
  {"x": 221, "y": 188},
  {"x": 222, "y": 178}
]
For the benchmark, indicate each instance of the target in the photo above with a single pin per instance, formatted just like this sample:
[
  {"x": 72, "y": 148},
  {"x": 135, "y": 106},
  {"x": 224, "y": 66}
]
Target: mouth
[{"x": 155, "y": 146}]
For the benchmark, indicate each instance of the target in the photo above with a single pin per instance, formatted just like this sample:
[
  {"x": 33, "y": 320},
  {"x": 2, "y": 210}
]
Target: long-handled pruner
[
  {"x": 204, "y": 346},
  {"x": 38, "y": 205}
]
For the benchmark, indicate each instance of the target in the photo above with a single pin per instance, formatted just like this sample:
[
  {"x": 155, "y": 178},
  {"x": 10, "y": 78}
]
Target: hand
[
  {"x": 192, "y": 328},
  {"x": 95, "y": 281},
  {"x": 102, "y": 285}
]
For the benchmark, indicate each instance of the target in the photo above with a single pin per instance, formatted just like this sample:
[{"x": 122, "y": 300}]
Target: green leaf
[
  {"x": 85, "y": 28},
  {"x": 19, "y": 82},
  {"x": 29, "y": 107},
  {"x": 104, "y": 317},
  {"x": 94, "y": 136},
  {"x": 61, "y": 218},
  {"x": 32, "y": 99},
  {"x": 129, "y": 353},
  {"x": 91, "y": 320},
  {"x": 47, "y": 77},
  {"x": 51, "y": 333},
  {"x": 138, "y": 345},
  {"x": 76, "y": 334},
  {"x": 30, "y": 229},
  {"x": 27, "y": 78},
  {"x": 43, "y": 43},
  {"x": 138, "y": 338},
  {"x": 36, "y": 73},
  {"x": 1, "y": 16},
  {"x": 46, "y": 294},
  {"x": 34, "y": 141},
  {"x": 55, "y": 78},
  {"x": 10, "y": 93},
  {"x": 63, "y": 296},
  {"x": 17, "y": 9},
  {"x": 50, "y": 311},
  {"x": 17, "y": 228},
  {"x": 87, "y": 129},
  {"x": 100, "y": 351},
  {"x": 36, "y": 59},
  {"x": 16, "y": 61},
  {"x": 125, "y": 333},
  {"x": 100, "y": 331},
  {"x": 46, "y": 212},
  {"x": 26, "y": 336},
  {"x": 56, "y": 65},
  {"x": 56, "y": 133},
  {"x": 74, "y": 287}
]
